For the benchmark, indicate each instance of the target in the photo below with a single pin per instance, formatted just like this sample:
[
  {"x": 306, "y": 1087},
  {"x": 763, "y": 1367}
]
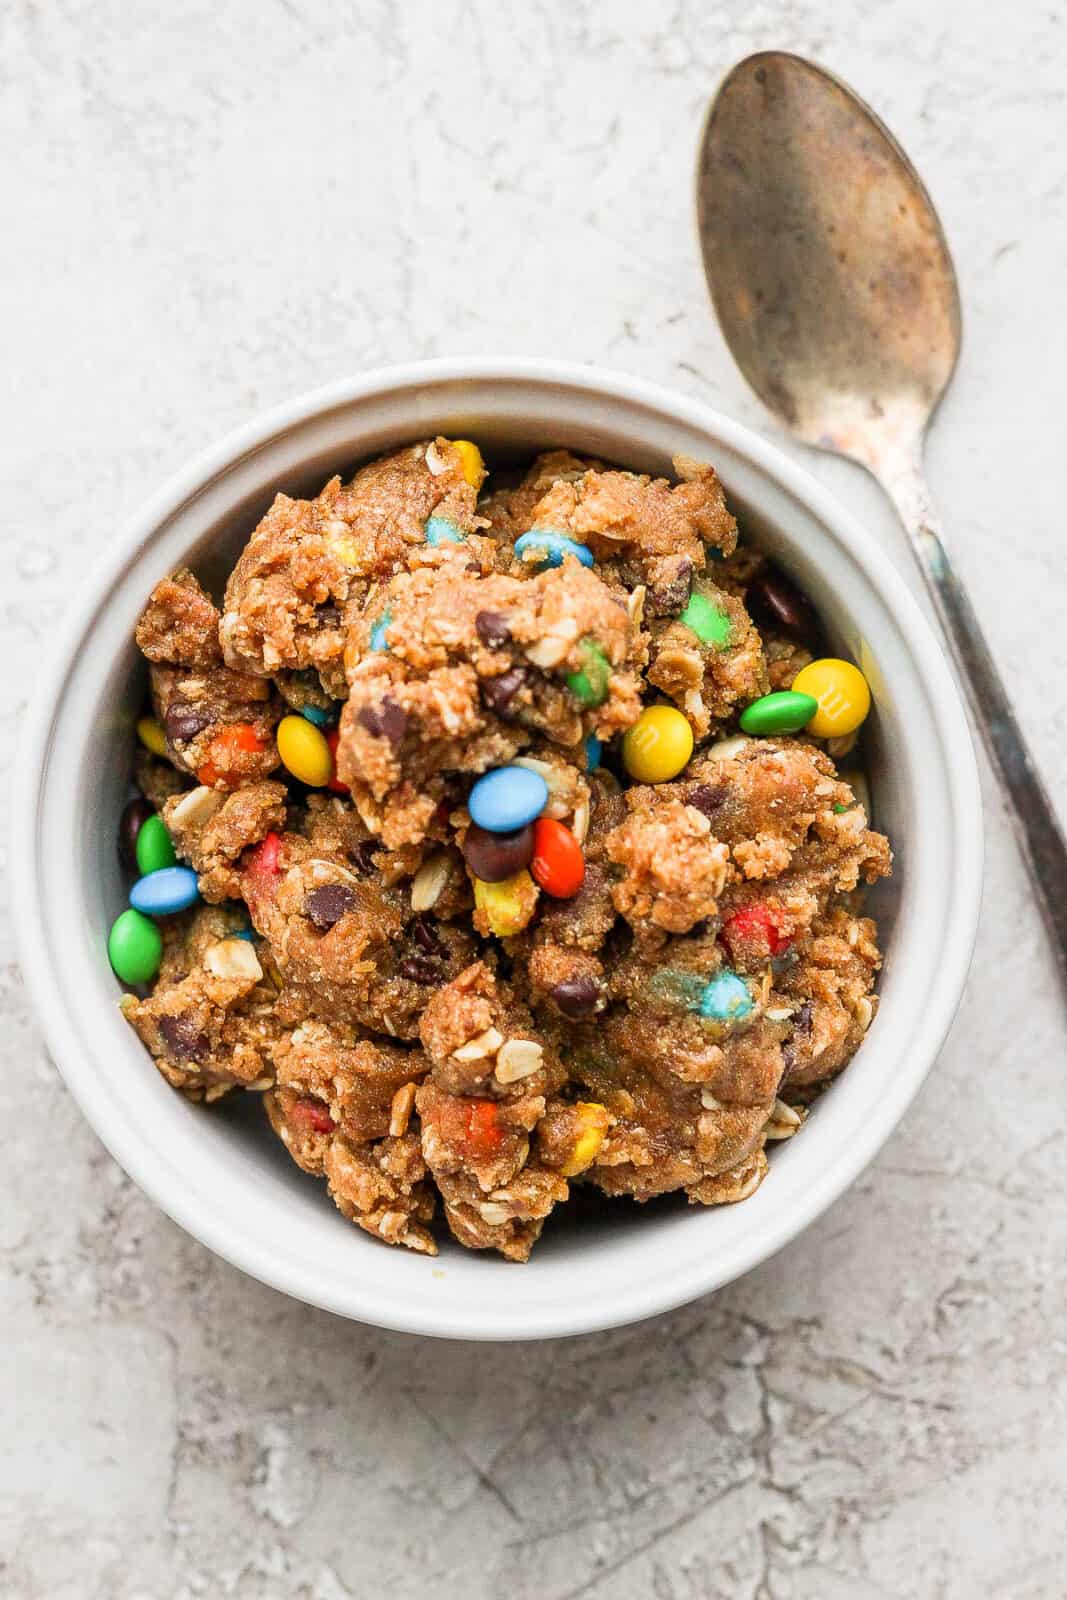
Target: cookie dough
[{"x": 445, "y": 1049}]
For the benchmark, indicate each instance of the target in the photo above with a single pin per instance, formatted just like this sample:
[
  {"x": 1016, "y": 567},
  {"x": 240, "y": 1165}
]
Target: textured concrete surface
[{"x": 207, "y": 208}]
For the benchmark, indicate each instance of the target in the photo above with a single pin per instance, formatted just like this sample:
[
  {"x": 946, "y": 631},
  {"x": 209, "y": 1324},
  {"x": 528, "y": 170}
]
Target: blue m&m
[
  {"x": 507, "y": 799},
  {"x": 316, "y": 716},
  {"x": 160, "y": 894},
  {"x": 439, "y": 531},
  {"x": 377, "y": 633},
  {"x": 545, "y": 547},
  {"x": 725, "y": 998}
]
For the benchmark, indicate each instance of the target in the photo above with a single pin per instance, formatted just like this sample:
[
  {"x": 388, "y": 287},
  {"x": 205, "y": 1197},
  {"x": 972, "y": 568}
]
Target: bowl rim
[{"x": 184, "y": 1204}]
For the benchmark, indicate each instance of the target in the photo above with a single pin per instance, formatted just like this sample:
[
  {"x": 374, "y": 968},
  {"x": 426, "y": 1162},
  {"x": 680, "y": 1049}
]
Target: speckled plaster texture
[{"x": 210, "y": 207}]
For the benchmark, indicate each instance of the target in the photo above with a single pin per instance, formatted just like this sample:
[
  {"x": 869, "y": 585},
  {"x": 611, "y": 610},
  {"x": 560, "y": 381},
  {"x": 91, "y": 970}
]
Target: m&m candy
[
  {"x": 134, "y": 947},
  {"x": 225, "y": 752},
  {"x": 507, "y": 799},
  {"x": 508, "y": 906},
  {"x": 658, "y": 745},
  {"x": 558, "y": 866},
  {"x": 783, "y": 712},
  {"x": 589, "y": 685},
  {"x": 152, "y": 736},
  {"x": 162, "y": 893},
  {"x": 842, "y": 697},
  {"x": 709, "y": 622},
  {"x": 154, "y": 849},
  {"x": 333, "y": 739},
  {"x": 496, "y": 856},
  {"x": 305, "y": 751},
  {"x": 316, "y": 716},
  {"x": 378, "y": 640},
  {"x": 725, "y": 998},
  {"x": 753, "y": 931},
  {"x": 439, "y": 531},
  {"x": 545, "y": 547},
  {"x": 470, "y": 461}
]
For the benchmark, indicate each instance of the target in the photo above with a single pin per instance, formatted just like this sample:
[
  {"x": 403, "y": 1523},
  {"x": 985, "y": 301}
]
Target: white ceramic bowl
[{"x": 217, "y": 1172}]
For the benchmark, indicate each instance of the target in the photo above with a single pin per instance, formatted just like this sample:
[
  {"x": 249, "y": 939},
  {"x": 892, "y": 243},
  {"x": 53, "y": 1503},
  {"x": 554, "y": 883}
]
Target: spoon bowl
[{"x": 830, "y": 273}]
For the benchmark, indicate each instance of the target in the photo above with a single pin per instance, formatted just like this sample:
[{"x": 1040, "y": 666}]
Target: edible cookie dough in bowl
[{"x": 548, "y": 834}]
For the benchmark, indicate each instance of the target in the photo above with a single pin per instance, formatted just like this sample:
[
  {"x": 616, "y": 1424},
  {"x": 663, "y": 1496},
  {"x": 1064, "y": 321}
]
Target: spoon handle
[{"x": 1040, "y": 837}]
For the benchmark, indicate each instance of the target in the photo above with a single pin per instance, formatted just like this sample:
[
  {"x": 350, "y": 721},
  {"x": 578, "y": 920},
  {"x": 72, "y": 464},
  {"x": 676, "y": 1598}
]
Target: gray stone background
[{"x": 209, "y": 207}]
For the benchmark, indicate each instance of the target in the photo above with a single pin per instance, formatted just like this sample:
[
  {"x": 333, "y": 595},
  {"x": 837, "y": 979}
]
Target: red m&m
[
  {"x": 334, "y": 782},
  {"x": 558, "y": 865},
  {"x": 753, "y": 930}
]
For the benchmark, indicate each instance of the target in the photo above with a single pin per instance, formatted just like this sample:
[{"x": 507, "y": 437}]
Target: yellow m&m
[
  {"x": 471, "y": 463},
  {"x": 658, "y": 745},
  {"x": 505, "y": 908},
  {"x": 304, "y": 751},
  {"x": 843, "y": 696},
  {"x": 593, "y": 1123},
  {"x": 151, "y": 735}
]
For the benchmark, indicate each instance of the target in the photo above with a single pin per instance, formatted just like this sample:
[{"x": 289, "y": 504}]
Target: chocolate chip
[
  {"x": 492, "y": 629},
  {"x": 498, "y": 693},
  {"x": 420, "y": 969},
  {"x": 707, "y": 798},
  {"x": 362, "y": 857},
  {"x": 134, "y": 816},
  {"x": 327, "y": 905},
  {"x": 385, "y": 721},
  {"x": 328, "y": 615},
  {"x": 668, "y": 598},
  {"x": 183, "y": 722},
  {"x": 774, "y": 602},
  {"x": 184, "y": 1040},
  {"x": 496, "y": 856},
  {"x": 576, "y": 997},
  {"x": 425, "y": 936}
]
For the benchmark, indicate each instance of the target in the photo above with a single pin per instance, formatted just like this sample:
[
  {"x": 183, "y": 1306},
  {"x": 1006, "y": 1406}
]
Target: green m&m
[
  {"x": 589, "y": 685},
  {"x": 783, "y": 712},
  {"x": 153, "y": 849},
  {"x": 708, "y": 621},
  {"x": 134, "y": 947}
]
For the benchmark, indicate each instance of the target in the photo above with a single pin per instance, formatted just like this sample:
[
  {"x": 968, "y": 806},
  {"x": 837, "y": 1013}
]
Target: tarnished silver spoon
[{"x": 836, "y": 293}]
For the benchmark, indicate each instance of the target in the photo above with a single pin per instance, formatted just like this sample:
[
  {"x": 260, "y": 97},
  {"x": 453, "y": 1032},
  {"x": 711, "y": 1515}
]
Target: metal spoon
[{"x": 836, "y": 293}]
